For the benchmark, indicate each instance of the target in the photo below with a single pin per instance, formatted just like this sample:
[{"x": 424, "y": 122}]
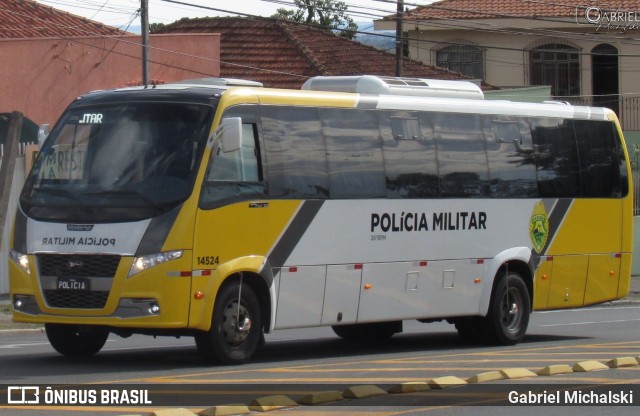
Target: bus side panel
[
  {"x": 624, "y": 283},
  {"x": 341, "y": 294},
  {"x": 568, "y": 281},
  {"x": 590, "y": 229},
  {"x": 419, "y": 290},
  {"x": 300, "y": 296},
  {"x": 603, "y": 278},
  {"x": 542, "y": 283}
]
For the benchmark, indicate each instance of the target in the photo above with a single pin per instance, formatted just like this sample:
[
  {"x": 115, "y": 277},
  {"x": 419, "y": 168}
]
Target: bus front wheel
[
  {"x": 76, "y": 340},
  {"x": 236, "y": 326}
]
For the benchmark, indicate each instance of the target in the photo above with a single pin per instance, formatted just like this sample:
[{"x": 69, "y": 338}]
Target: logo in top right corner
[
  {"x": 539, "y": 227},
  {"x": 607, "y": 17}
]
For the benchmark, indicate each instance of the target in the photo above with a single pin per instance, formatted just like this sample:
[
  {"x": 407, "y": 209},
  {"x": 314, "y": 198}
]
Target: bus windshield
[{"x": 118, "y": 162}]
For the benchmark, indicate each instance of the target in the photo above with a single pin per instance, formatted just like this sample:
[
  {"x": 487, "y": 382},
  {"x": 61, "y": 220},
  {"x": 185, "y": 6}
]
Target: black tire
[
  {"x": 509, "y": 310},
  {"x": 370, "y": 332},
  {"x": 76, "y": 340},
  {"x": 227, "y": 342}
]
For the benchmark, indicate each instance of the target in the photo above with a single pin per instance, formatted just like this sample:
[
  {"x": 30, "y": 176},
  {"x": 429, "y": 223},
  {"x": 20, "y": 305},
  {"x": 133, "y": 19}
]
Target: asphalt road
[{"x": 295, "y": 362}]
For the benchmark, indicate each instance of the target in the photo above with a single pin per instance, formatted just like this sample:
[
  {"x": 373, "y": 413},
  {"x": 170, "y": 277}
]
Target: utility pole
[
  {"x": 144, "y": 22},
  {"x": 399, "y": 37}
]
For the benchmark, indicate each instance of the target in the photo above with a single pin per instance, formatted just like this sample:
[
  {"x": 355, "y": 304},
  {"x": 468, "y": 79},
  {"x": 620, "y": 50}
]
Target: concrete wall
[{"x": 40, "y": 77}]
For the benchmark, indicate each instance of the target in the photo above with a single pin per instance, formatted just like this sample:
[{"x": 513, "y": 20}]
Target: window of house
[
  {"x": 466, "y": 59},
  {"x": 558, "y": 66}
]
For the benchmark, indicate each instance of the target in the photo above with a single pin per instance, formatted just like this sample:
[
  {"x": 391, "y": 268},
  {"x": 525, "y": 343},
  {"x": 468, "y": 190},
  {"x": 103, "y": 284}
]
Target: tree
[
  {"x": 156, "y": 27},
  {"x": 328, "y": 14}
]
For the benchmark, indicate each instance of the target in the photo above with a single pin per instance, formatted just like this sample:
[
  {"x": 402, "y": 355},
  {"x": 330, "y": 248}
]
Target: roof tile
[
  {"x": 491, "y": 9},
  {"x": 29, "y": 19},
  {"x": 284, "y": 54}
]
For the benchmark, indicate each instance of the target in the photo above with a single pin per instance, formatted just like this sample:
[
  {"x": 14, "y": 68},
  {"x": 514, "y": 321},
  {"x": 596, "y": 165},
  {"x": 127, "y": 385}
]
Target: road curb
[{"x": 20, "y": 331}]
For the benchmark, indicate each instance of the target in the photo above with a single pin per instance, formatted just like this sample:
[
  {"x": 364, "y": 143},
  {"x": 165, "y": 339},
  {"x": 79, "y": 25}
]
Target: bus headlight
[
  {"x": 21, "y": 260},
  {"x": 146, "y": 262}
]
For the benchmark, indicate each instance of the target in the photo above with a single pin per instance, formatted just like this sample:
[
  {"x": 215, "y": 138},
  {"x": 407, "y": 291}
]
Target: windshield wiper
[
  {"x": 57, "y": 192},
  {"x": 159, "y": 207}
]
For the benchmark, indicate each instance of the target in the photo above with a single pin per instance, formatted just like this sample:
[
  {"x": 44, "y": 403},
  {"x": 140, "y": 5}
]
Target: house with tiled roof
[
  {"x": 20, "y": 19},
  {"x": 585, "y": 52},
  {"x": 50, "y": 57},
  {"x": 283, "y": 54}
]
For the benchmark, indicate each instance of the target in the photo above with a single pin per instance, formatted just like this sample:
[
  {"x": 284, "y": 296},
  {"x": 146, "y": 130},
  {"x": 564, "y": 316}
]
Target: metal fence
[
  {"x": 627, "y": 108},
  {"x": 22, "y": 148}
]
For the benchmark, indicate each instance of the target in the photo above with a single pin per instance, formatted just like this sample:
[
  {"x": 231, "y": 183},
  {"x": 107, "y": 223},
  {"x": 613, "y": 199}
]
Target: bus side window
[
  {"x": 462, "y": 157},
  {"x": 556, "y": 155},
  {"x": 234, "y": 175},
  {"x": 354, "y": 153},
  {"x": 599, "y": 158},
  {"x": 409, "y": 153},
  {"x": 241, "y": 165},
  {"x": 295, "y": 150},
  {"x": 512, "y": 169}
]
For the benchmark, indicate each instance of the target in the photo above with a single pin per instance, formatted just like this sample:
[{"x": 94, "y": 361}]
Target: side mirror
[
  {"x": 230, "y": 133},
  {"x": 43, "y": 132}
]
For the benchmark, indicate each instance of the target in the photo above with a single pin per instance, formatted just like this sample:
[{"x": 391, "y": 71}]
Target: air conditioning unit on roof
[{"x": 371, "y": 84}]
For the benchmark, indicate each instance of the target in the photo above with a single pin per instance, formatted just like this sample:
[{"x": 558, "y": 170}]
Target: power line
[{"x": 418, "y": 41}]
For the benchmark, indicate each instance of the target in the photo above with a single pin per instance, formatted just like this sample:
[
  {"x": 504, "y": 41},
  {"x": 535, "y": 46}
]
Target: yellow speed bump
[
  {"x": 622, "y": 362},
  {"x": 512, "y": 373},
  {"x": 446, "y": 382},
  {"x": 178, "y": 411},
  {"x": 320, "y": 397},
  {"x": 362, "y": 392},
  {"x": 555, "y": 369},
  {"x": 484, "y": 377},
  {"x": 585, "y": 366},
  {"x": 226, "y": 410},
  {"x": 269, "y": 403},
  {"x": 410, "y": 387}
]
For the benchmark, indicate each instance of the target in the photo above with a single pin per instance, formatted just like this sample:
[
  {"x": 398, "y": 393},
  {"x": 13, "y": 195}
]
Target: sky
[{"x": 120, "y": 13}]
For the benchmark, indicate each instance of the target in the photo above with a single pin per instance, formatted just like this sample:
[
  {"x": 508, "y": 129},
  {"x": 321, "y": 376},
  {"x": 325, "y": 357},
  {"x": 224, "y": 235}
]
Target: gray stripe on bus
[
  {"x": 157, "y": 232},
  {"x": 295, "y": 231},
  {"x": 367, "y": 102}
]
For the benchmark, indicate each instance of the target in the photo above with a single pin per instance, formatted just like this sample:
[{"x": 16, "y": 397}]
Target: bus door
[{"x": 233, "y": 215}]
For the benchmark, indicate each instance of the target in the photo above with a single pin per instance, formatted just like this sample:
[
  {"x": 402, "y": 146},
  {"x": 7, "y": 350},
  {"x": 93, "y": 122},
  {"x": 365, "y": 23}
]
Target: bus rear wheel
[
  {"x": 508, "y": 317},
  {"x": 76, "y": 340},
  {"x": 236, "y": 326},
  {"x": 509, "y": 310}
]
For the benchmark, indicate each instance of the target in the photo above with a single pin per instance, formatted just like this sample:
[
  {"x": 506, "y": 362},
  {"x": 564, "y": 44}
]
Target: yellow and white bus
[{"x": 223, "y": 210}]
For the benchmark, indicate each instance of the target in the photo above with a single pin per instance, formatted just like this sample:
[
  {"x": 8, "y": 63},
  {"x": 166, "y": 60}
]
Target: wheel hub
[{"x": 236, "y": 324}]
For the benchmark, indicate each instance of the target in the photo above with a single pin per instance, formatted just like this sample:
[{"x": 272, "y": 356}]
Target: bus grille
[
  {"x": 98, "y": 270},
  {"x": 78, "y": 265}
]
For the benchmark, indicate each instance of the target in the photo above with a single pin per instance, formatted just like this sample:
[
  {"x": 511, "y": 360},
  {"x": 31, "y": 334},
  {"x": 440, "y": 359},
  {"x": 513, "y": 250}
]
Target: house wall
[
  {"x": 40, "y": 77},
  {"x": 507, "y": 57}
]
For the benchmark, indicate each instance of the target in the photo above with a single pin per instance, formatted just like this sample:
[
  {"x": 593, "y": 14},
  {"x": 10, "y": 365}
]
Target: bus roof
[{"x": 360, "y": 91}]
